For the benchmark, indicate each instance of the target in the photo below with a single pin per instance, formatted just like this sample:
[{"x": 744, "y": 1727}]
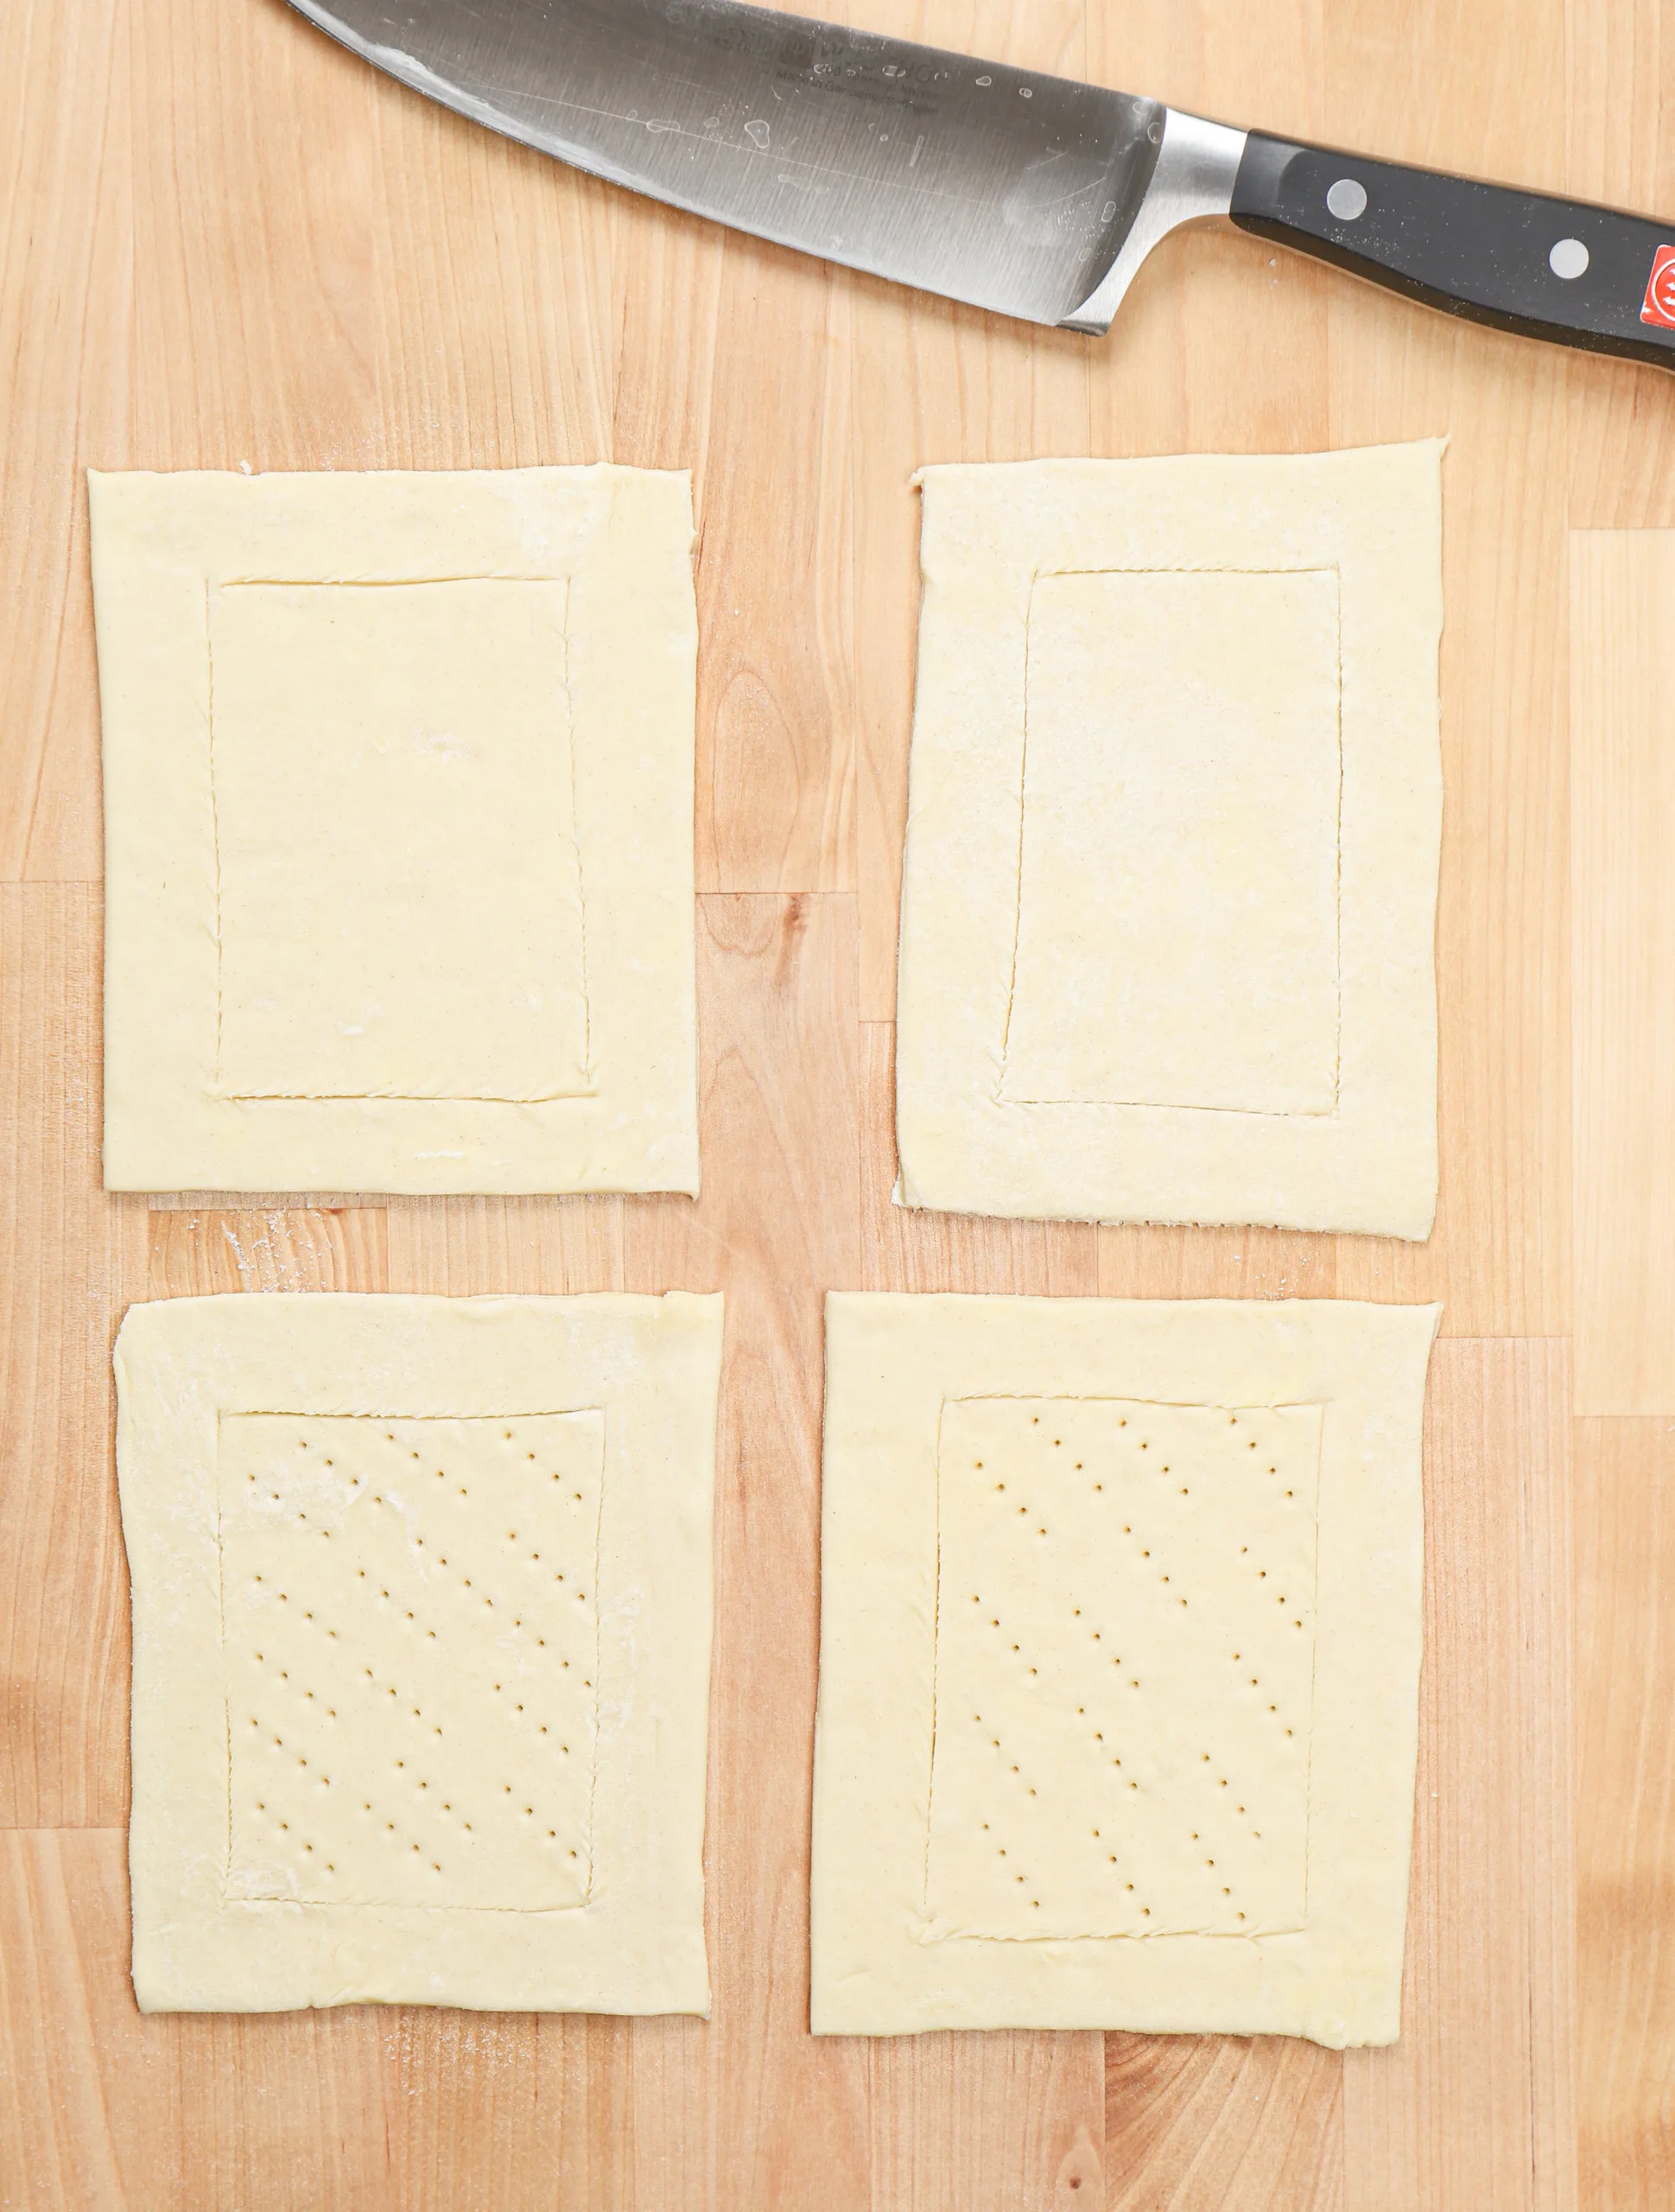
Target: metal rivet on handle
[
  {"x": 1568, "y": 259},
  {"x": 1348, "y": 200}
]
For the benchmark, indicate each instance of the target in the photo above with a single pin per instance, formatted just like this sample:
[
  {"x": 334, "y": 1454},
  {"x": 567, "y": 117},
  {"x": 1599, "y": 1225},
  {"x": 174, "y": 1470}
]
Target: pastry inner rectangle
[
  {"x": 1124, "y": 1668},
  {"x": 1176, "y": 930},
  {"x": 398, "y": 892},
  {"x": 411, "y": 1641}
]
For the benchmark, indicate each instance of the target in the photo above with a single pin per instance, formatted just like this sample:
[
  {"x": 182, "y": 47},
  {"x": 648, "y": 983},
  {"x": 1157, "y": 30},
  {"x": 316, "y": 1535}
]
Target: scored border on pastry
[
  {"x": 398, "y": 788},
  {"x": 422, "y": 1594},
  {"x": 1174, "y": 818},
  {"x": 1120, "y": 1656}
]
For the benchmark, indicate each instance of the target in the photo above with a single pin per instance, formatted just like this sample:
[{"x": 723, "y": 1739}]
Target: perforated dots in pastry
[
  {"x": 410, "y": 1693},
  {"x": 1122, "y": 1703}
]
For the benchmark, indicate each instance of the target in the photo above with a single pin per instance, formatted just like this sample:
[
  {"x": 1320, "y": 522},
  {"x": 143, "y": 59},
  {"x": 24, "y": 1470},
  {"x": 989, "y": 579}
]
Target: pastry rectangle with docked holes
[
  {"x": 1119, "y": 1639},
  {"x": 1125, "y": 1667},
  {"x": 430, "y": 1588},
  {"x": 422, "y": 1594}
]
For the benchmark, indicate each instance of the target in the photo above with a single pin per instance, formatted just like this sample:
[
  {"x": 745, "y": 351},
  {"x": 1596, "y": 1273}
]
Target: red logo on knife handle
[{"x": 1660, "y": 289}]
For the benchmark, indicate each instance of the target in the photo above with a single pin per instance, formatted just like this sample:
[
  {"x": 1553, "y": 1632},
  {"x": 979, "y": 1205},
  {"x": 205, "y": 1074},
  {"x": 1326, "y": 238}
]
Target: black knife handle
[{"x": 1522, "y": 261}]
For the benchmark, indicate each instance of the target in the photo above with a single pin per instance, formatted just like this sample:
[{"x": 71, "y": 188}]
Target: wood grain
[
  {"x": 66, "y": 297},
  {"x": 1625, "y": 1596},
  {"x": 1622, "y": 954},
  {"x": 447, "y": 1247},
  {"x": 193, "y": 1255},
  {"x": 1010, "y": 2120},
  {"x": 223, "y": 241},
  {"x": 1197, "y": 2122},
  {"x": 70, "y": 1259}
]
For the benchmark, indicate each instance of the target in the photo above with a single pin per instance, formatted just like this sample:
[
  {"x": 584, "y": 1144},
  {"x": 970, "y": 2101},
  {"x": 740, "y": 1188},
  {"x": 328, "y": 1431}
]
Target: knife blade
[{"x": 1028, "y": 194}]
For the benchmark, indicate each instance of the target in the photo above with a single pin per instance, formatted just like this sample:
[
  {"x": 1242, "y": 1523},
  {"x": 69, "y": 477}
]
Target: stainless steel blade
[{"x": 1009, "y": 189}]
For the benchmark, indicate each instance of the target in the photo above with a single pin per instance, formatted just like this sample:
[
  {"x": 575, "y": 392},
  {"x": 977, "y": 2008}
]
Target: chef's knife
[{"x": 1032, "y": 195}]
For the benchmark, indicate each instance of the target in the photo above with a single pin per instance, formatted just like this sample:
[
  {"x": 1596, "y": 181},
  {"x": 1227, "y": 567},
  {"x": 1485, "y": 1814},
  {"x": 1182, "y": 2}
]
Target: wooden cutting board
[{"x": 223, "y": 242}]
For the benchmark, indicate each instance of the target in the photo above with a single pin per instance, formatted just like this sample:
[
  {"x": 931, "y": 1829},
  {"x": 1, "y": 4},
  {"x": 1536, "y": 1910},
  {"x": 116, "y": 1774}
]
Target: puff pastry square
[
  {"x": 398, "y": 775},
  {"x": 422, "y": 1625},
  {"x": 1173, "y": 832},
  {"x": 1120, "y": 1659}
]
